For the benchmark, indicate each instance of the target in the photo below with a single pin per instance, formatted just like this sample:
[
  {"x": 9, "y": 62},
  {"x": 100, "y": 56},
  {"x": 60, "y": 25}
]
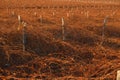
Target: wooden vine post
[
  {"x": 41, "y": 19},
  {"x": 63, "y": 29},
  {"x": 103, "y": 30},
  {"x": 24, "y": 36},
  {"x": 118, "y": 75},
  {"x": 19, "y": 21}
]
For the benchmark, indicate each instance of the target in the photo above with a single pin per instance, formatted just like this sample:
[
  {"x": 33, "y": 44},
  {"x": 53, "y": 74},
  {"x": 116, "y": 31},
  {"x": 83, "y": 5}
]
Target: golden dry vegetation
[{"x": 81, "y": 56}]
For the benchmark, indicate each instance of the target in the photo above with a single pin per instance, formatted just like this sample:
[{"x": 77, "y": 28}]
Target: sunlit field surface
[{"x": 57, "y": 40}]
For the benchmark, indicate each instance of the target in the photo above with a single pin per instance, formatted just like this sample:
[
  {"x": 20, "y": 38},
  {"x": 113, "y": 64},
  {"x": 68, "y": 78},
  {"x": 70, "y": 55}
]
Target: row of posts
[
  {"x": 63, "y": 34},
  {"x": 24, "y": 24}
]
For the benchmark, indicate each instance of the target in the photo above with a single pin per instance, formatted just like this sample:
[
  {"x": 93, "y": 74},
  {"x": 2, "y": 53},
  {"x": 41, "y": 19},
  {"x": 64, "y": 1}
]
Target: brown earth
[{"x": 80, "y": 57}]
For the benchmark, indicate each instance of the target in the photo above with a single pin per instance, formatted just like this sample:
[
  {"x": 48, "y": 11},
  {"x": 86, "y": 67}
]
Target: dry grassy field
[{"x": 90, "y": 49}]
